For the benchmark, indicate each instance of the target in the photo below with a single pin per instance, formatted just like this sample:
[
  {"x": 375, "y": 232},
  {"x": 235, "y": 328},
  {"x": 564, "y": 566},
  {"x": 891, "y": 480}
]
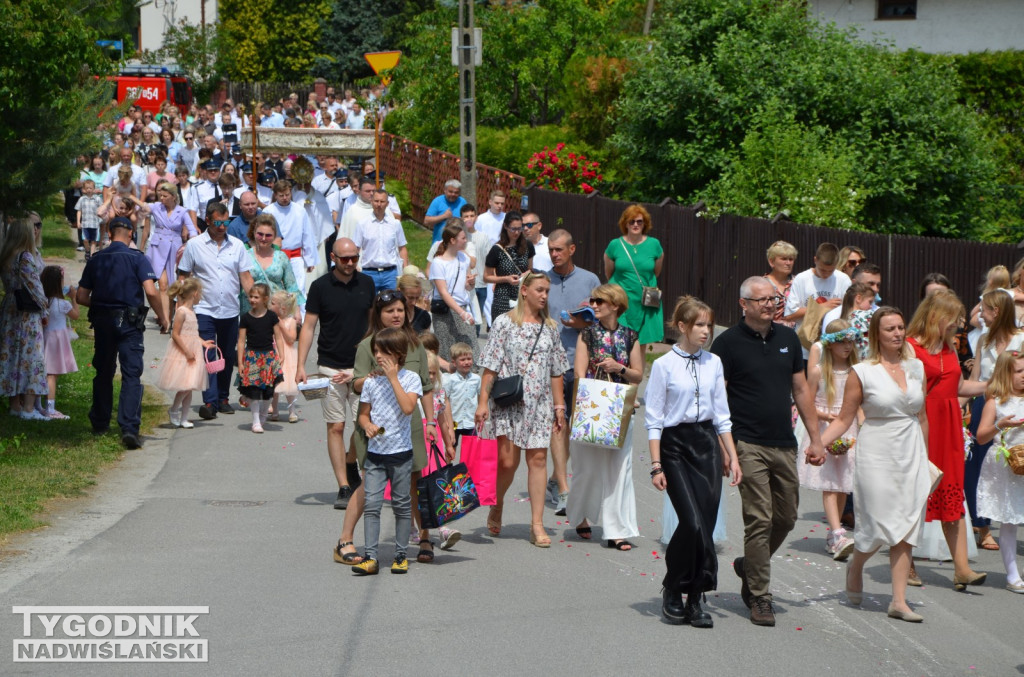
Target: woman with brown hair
[
  {"x": 931, "y": 332},
  {"x": 507, "y": 262},
  {"x": 452, "y": 275},
  {"x": 634, "y": 262}
]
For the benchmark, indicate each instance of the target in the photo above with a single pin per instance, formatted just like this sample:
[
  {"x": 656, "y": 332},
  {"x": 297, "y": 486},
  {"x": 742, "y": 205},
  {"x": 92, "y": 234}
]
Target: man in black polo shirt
[
  {"x": 341, "y": 300},
  {"x": 764, "y": 371}
]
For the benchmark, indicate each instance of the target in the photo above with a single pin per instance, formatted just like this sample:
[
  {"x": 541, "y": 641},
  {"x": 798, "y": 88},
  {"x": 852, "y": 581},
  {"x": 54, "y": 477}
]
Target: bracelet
[
  {"x": 559, "y": 406},
  {"x": 655, "y": 463},
  {"x": 433, "y": 423},
  {"x": 655, "y": 472}
]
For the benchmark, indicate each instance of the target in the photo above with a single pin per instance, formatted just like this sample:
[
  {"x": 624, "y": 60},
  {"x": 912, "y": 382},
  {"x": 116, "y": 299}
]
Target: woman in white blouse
[
  {"x": 452, "y": 276},
  {"x": 688, "y": 427}
]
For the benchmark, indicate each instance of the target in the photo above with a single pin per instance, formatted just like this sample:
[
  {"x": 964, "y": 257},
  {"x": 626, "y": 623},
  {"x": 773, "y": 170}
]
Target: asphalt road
[{"x": 219, "y": 517}]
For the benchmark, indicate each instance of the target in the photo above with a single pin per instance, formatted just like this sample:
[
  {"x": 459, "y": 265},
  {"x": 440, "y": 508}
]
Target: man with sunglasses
[
  {"x": 221, "y": 263},
  {"x": 764, "y": 372},
  {"x": 341, "y": 301}
]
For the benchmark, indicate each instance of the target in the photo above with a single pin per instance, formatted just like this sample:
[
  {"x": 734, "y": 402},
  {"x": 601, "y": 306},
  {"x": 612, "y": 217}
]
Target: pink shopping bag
[{"x": 481, "y": 459}]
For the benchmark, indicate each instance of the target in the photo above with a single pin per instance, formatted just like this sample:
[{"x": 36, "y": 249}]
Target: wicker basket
[
  {"x": 311, "y": 390},
  {"x": 1015, "y": 459}
]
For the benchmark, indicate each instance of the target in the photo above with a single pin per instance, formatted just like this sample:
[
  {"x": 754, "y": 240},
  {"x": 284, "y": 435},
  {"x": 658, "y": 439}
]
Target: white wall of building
[
  {"x": 157, "y": 15},
  {"x": 941, "y": 26}
]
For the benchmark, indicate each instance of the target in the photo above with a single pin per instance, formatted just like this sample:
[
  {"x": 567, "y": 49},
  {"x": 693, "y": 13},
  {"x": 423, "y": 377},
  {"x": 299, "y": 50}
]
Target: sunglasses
[
  {"x": 221, "y": 224},
  {"x": 633, "y": 221},
  {"x": 189, "y": 138},
  {"x": 265, "y": 236},
  {"x": 530, "y": 224},
  {"x": 854, "y": 262},
  {"x": 389, "y": 295},
  {"x": 594, "y": 301},
  {"x": 346, "y": 259}
]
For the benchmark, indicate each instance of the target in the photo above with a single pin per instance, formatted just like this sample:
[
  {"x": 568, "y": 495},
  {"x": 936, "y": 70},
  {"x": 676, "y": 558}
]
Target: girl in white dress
[
  {"x": 890, "y": 479},
  {"x": 827, "y": 369},
  {"x": 1000, "y": 491}
]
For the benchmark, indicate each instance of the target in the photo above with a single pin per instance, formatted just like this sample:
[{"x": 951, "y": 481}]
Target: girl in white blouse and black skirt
[{"x": 688, "y": 426}]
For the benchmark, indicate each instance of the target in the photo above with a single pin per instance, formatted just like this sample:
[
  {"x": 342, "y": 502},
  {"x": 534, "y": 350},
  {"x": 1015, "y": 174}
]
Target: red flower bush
[{"x": 563, "y": 171}]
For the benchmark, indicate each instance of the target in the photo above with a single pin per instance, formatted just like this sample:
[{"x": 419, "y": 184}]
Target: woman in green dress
[{"x": 633, "y": 262}]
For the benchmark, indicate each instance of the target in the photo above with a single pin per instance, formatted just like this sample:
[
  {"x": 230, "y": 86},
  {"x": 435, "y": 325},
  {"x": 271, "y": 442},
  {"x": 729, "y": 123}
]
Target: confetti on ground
[{"x": 799, "y": 628}]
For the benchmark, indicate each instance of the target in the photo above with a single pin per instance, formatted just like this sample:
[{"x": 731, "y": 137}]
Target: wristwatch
[{"x": 623, "y": 370}]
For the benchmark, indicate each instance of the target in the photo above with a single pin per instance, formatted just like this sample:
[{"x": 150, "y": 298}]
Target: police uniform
[{"x": 117, "y": 312}]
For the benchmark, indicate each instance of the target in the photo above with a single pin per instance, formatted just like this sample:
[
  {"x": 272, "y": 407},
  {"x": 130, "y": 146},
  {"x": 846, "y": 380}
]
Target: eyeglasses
[
  {"x": 764, "y": 300},
  {"x": 189, "y": 138},
  {"x": 530, "y": 224},
  {"x": 389, "y": 295},
  {"x": 221, "y": 224},
  {"x": 634, "y": 221},
  {"x": 346, "y": 259},
  {"x": 594, "y": 301}
]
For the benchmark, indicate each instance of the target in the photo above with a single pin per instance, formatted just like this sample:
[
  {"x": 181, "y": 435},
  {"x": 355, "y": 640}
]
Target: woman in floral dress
[
  {"x": 602, "y": 489},
  {"x": 22, "y": 360},
  {"x": 524, "y": 342}
]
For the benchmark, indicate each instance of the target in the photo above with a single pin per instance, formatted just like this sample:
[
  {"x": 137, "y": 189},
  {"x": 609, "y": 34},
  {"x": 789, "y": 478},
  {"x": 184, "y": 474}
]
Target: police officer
[
  {"x": 204, "y": 192},
  {"x": 112, "y": 287}
]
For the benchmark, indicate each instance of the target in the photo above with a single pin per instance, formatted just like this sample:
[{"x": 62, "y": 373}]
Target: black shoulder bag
[
  {"x": 438, "y": 306},
  {"x": 508, "y": 391}
]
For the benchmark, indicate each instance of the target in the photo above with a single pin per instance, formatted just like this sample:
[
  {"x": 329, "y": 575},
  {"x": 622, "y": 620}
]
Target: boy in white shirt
[{"x": 822, "y": 284}]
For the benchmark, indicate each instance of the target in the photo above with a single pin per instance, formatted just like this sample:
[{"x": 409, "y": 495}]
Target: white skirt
[
  {"x": 933, "y": 544},
  {"x": 602, "y": 488}
]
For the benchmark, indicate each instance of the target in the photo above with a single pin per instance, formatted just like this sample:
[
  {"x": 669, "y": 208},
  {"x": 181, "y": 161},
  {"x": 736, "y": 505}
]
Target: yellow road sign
[{"x": 380, "y": 61}]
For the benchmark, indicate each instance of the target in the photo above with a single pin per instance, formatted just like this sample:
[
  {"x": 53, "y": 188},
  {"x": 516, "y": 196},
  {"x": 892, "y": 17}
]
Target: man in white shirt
[
  {"x": 356, "y": 117},
  {"x": 204, "y": 192},
  {"x": 333, "y": 104},
  {"x": 358, "y": 211},
  {"x": 221, "y": 263},
  {"x": 382, "y": 244},
  {"x": 263, "y": 194},
  {"x": 868, "y": 273},
  {"x": 821, "y": 284},
  {"x": 531, "y": 229},
  {"x": 324, "y": 183},
  {"x": 491, "y": 221},
  {"x": 298, "y": 239},
  {"x": 138, "y": 176}
]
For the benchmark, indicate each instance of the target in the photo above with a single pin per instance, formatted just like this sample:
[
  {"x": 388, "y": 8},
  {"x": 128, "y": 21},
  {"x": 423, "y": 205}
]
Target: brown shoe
[
  {"x": 761, "y": 613},
  {"x": 737, "y": 566},
  {"x": 913, "y": 579}
]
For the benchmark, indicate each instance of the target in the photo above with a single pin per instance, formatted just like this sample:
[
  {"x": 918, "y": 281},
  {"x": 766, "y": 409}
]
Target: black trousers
[{"x": 692, "y": 461}]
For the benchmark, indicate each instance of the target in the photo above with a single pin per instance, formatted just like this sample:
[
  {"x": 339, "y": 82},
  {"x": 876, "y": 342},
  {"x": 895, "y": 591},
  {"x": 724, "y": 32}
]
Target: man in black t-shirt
[
  {"x": 764, "y": 373},
  {"x": 341, "y": 301}
]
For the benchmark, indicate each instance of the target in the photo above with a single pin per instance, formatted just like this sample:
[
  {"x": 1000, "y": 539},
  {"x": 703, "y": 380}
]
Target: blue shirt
[
  {"x": 438, "y": 206},
  {"x": 239, "y": 227},
  {"x": 115, "y": 276},
  {"x": 566, "y": 294}
]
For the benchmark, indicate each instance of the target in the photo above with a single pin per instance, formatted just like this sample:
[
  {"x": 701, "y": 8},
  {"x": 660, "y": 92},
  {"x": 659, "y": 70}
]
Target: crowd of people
[{"x": 819, "y": 385}]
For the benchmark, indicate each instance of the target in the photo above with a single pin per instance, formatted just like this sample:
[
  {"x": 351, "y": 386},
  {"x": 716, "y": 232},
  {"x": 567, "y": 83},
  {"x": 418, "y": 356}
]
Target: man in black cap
[
  {"x": 114, "y": 285},
  {"x": 206, "y": 191}
]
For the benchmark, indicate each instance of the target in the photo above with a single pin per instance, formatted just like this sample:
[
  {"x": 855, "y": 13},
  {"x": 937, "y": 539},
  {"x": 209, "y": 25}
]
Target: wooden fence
[
  {"x": 424, "y": 170},
  {"x": 710, "y": 258}
]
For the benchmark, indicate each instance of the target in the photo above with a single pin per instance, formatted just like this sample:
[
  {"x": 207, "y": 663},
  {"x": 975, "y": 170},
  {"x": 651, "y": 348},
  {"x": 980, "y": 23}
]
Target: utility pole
[{"x": 466, "y": 53}]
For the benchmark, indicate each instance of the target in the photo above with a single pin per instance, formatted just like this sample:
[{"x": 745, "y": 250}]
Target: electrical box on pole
[{"x": 467, "y": 55}]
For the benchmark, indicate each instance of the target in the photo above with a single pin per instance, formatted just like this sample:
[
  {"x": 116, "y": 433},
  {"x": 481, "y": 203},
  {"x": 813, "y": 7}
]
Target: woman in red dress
[{"x": 931, "y": 333}]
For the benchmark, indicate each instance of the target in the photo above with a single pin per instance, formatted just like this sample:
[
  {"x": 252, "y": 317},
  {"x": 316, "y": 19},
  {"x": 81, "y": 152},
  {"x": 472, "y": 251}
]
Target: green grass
[
  {"x": 419, "y": 239},
  {"x": 42, "y": 461}
]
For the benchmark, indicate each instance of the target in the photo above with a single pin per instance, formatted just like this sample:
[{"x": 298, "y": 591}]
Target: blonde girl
[
  {"x": 284, "y": 305},
  {"x": 183, "y": 368},
  {"x": 1000, "y": 492},
  {"x": 829, "y": 365},
  {"x": 56, "y": 334}
]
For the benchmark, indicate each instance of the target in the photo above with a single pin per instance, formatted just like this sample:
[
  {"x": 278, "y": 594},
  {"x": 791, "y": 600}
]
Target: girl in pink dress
[
  {"x": 283, "y": 303},
  {"x": 828, "y": 367},
  {"x": 56, "y": 334},
  {"x": 183, "y": 368}
]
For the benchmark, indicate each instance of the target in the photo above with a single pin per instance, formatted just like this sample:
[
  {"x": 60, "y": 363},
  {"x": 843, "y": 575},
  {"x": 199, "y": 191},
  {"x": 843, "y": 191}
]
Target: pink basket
[{"x": 214, "y": 366}]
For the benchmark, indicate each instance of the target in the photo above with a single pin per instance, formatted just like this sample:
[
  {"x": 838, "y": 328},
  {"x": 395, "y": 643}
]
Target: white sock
[
  {"x": 1008, "y": 549},
  {"x": 256, "y": 407},
  {"x": 51, "y": 405}
]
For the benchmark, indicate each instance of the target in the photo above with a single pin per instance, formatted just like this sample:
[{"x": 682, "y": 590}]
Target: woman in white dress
[
  {"x": 1000, "y": 491},
  {"x": 891, "y": 480},
  {"x": 602, "y": 478}
]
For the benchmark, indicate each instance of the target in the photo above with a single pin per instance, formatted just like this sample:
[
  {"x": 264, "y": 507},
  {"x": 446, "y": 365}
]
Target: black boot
[
  {"x": 672, "y": 607},
  {"x": 695, "y": 615}
]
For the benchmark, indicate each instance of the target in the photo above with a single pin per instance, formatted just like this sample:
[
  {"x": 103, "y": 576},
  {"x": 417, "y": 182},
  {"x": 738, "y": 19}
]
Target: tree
[
  {"x": 264, "y": 40},
  {"x": 195, "y": 52},
  {"x": 52, "y": 101},
  {"x": 353, "y": 29},
  {"x": 526, "y": 48},
  {"x": 690, "y": 120}
]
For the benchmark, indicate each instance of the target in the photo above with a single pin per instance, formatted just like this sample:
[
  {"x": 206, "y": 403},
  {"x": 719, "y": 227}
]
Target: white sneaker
[
  {"x": 843, "y": 548},
  {"x": 186, "y": 424},
  {"x": 33, "y": 416},
  {"x": 449, "y": 537},
  {"x": 257, "y": 428}
]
